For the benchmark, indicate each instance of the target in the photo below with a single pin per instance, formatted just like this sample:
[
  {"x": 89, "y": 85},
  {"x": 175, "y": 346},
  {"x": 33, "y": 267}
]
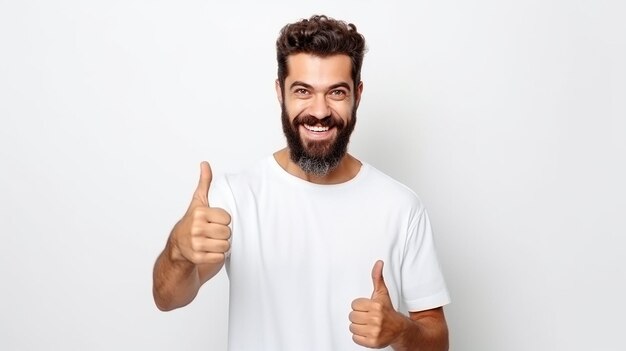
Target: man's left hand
[{"x": 374, "y": 322}]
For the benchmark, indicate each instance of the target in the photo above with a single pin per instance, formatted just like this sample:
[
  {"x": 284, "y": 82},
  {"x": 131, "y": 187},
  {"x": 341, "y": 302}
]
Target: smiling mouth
[{"x": 316, "y": 128}]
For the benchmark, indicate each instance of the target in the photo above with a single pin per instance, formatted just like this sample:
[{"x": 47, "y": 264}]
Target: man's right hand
[{"x": 201, "y": 236}]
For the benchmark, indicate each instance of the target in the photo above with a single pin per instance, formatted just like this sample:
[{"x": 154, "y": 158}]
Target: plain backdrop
[{"x": 508, "y": 118}]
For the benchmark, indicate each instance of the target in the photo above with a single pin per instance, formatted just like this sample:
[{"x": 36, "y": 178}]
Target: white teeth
[{"x": 316, "y": 128}]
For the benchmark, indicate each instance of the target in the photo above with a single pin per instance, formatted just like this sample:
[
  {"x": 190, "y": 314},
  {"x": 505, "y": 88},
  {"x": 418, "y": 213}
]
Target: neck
[{"x": 347, "y": 169}]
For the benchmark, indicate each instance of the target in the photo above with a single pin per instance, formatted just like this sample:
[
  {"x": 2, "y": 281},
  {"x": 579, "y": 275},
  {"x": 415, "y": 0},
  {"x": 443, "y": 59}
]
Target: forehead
[{"x": 319, "y": 71}]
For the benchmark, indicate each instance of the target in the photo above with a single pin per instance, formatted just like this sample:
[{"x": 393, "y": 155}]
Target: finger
[
  {"x": 361, "y": 304},
  {"x": 380, "y": 288},
  {"x": 218, "y": 216},
  {"x": 358, "y": 317},
  {"x": 211, "y": 231},
  {"x": 361, "y": 330},
  {"x": 201, "y": 195},
  {"x": 204, "y": 215},
  {"x": 211, "y": 245},
  {"x": 198, "y": 257}
]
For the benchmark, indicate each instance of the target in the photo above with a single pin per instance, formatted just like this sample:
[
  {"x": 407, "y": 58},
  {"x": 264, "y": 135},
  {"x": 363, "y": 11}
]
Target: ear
[
  {"x": 357, "y": 95},
  {"x": 279, "y": 92}
]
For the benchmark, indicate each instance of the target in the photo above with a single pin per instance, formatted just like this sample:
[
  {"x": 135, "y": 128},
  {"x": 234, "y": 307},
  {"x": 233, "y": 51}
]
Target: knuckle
[
  {"x": 194, "y": 212},
  {"x": 376, "y": 320},
  {"x": 197, "y": 213},
  {"x": 195, "y": 244},
  {"x": 376, "y": 333},
  {"x": 197, "y": 228},
  {"x": 377, "y": 307},
  {"x": 196, "y": 257}
]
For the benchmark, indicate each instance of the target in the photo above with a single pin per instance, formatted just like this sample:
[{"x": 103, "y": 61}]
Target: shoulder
[
  {"x": 387, "y": 187},
  {"x": 253, "y": 172},
  {"x": 250, "y": 177}
]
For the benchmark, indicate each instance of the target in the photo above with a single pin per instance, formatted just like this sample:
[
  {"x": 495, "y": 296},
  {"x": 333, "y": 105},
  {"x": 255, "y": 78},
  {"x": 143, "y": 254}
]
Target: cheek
[
  {"x": 344, "y": 112},
  {"x": 295, "y": 108},
  {"x": 299, "y": 107}
]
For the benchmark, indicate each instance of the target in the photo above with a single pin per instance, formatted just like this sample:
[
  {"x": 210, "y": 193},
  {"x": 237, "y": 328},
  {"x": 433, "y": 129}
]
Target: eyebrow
[{"x": 309, "y": 86}]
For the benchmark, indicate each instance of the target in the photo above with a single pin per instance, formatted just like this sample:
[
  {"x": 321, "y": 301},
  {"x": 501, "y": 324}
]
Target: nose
[{"x": 319, "y": 107}]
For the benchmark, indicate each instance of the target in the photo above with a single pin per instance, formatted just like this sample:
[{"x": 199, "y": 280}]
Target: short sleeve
[{"x": 423, "y": 284}]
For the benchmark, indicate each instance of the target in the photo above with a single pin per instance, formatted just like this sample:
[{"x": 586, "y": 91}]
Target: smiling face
[{"x": 319, "y": 104}]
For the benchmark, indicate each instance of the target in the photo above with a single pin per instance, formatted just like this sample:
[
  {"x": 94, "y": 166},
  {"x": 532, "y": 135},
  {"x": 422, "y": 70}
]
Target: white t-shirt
[{"x": 301, "y": 252}]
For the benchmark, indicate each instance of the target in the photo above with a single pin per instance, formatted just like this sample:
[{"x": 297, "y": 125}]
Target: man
[{"x": 300, "y": 231}]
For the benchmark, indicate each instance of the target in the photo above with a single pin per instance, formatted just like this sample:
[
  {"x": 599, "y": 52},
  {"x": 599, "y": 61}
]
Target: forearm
[
  {"x": 426, "y": 332},
  {"x": 175, "y": 282}
]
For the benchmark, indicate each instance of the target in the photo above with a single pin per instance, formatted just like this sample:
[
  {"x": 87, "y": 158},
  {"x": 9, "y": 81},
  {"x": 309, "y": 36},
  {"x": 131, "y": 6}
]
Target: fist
[{"x": 202, "y": 235}]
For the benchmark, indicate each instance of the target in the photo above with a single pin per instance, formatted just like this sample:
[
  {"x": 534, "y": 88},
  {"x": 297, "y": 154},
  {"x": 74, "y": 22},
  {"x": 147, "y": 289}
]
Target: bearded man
[{"x": 300, "y": 231}]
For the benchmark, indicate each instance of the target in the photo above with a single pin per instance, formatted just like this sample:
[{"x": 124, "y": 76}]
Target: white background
[{"x": 508, "y": 118}]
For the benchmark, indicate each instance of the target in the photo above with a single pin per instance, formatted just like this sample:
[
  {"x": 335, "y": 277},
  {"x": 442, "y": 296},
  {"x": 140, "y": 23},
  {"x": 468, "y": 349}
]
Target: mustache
[{"x": 328, "y": 121}]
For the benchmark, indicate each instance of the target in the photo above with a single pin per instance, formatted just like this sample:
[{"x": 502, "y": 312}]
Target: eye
[
  {"x": 301, "y": 92},
  {"x": 338, "y": 94}
]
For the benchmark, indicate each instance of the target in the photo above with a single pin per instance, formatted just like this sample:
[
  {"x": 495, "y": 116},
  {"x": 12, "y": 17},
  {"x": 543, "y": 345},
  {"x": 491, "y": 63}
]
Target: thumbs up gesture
[
  {"x": 201, "y": 236},
  {"x": 374, "y": 321}
]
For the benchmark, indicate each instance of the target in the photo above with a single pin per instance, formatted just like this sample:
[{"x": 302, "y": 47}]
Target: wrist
[{"x": 407, "y": 330}]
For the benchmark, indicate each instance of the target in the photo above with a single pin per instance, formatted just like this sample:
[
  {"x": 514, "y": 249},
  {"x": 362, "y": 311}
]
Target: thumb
[
  {"x": 201, "y": 195},
  {"x": 380, "y": 288}
]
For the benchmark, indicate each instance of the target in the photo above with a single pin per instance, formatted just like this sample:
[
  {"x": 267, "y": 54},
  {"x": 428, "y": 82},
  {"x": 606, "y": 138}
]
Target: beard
[{"x": 317, "y": 157}]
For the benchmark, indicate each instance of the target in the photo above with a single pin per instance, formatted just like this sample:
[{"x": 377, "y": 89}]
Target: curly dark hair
[{"x": 321, "y": 36}]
